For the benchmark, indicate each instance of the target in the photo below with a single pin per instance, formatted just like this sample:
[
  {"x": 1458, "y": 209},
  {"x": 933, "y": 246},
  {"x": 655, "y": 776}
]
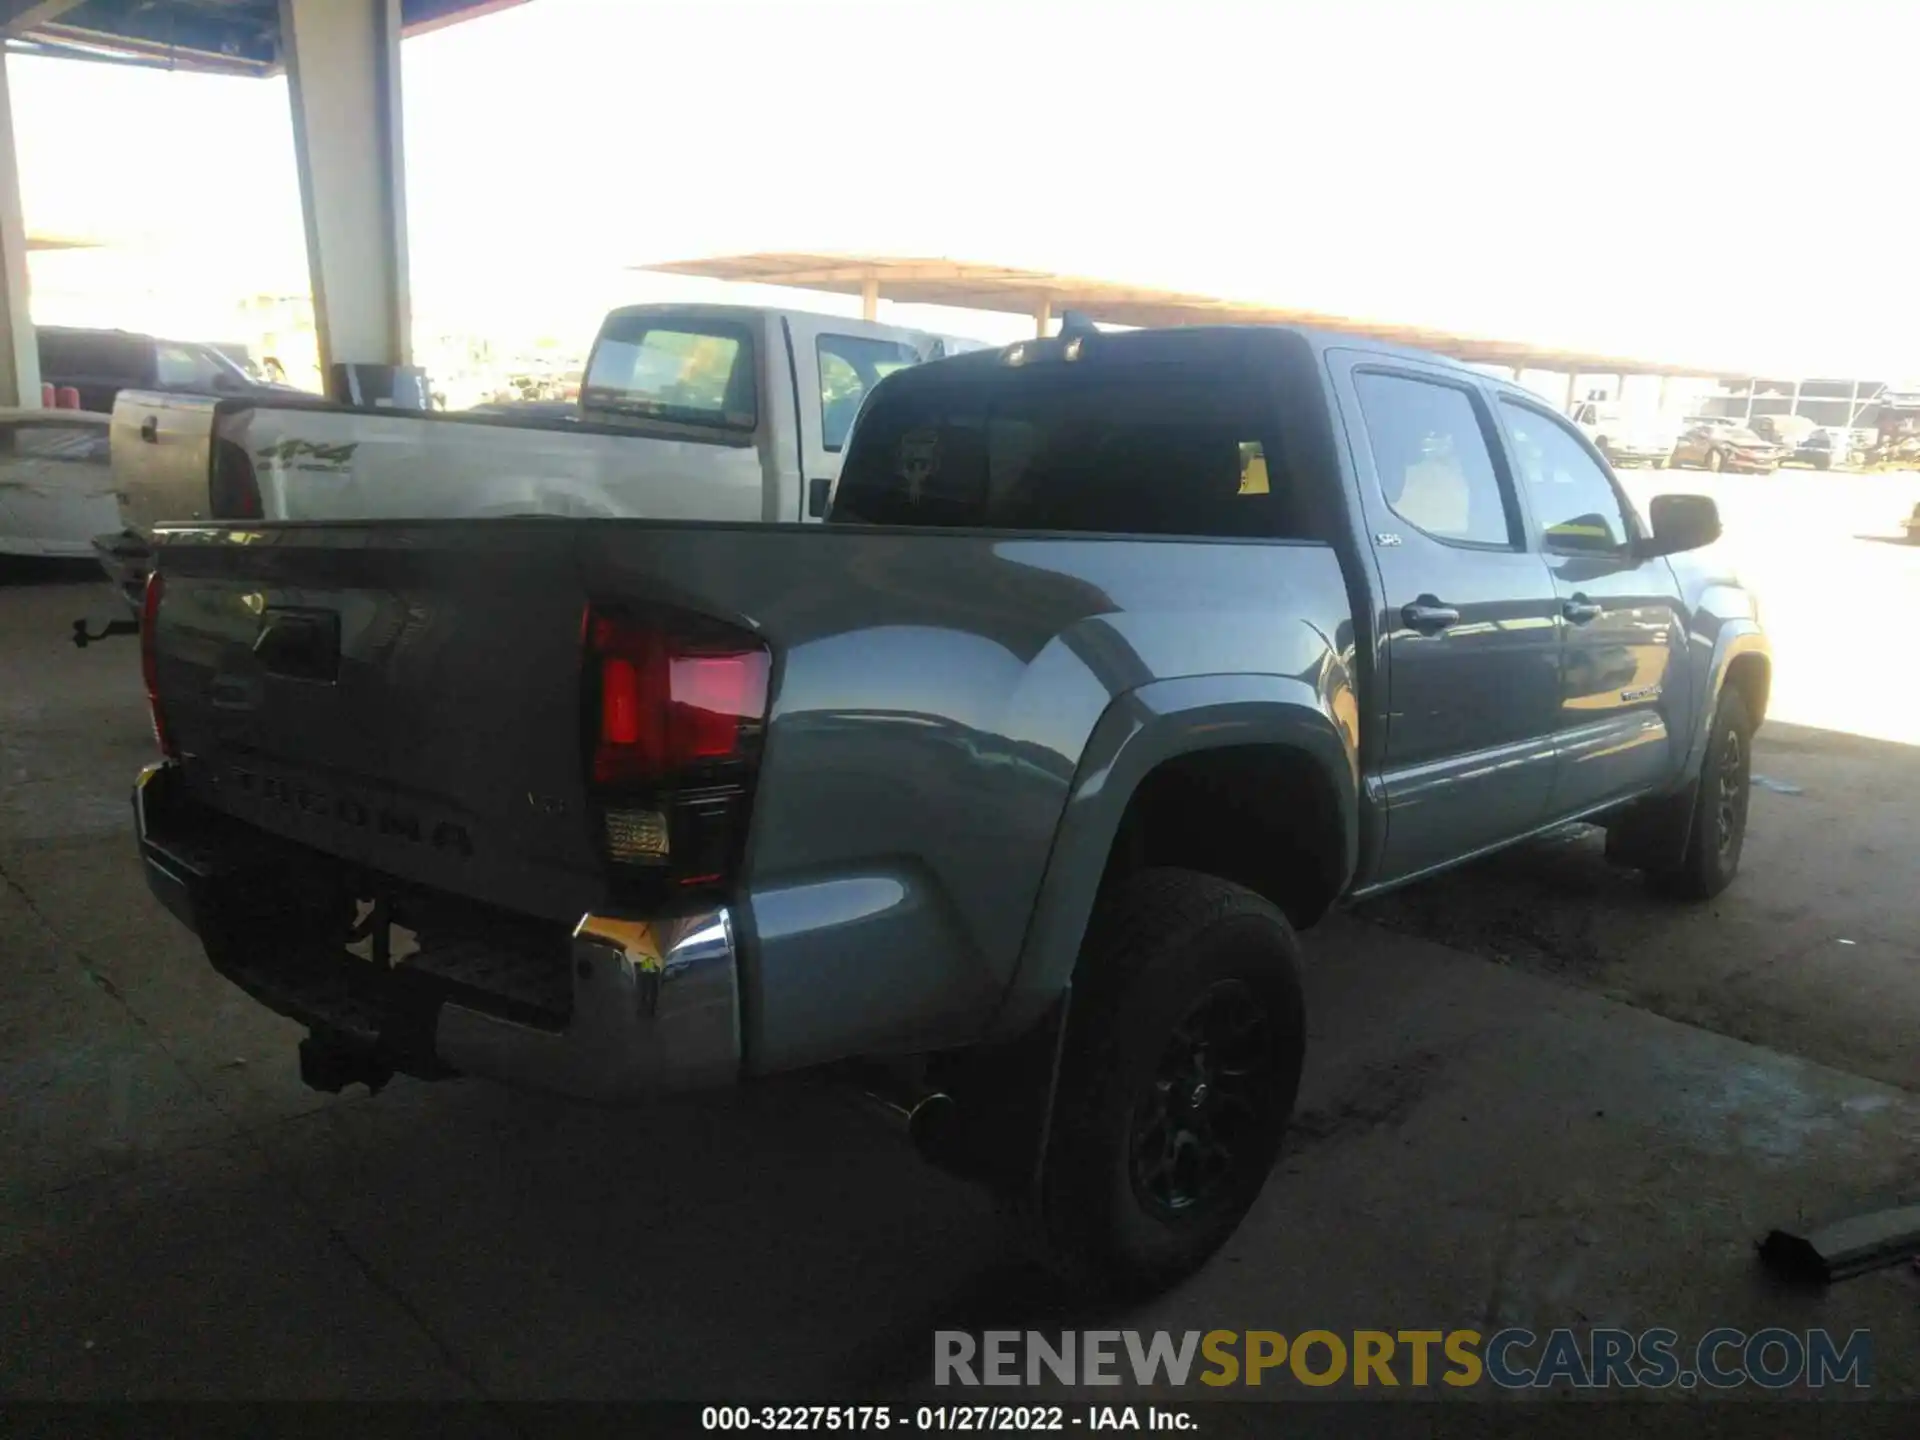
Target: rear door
[
  {"x": 1468, "y": 620},
  {"x": 1623, "y": 698},
  {"x": 835, "y": 364}
]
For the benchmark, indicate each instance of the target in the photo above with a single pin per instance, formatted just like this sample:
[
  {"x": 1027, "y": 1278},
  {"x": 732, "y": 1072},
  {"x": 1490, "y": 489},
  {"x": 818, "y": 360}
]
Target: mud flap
[
  {"x": 1653, "y": 834},
  {"x": 994, "y": 1129}
]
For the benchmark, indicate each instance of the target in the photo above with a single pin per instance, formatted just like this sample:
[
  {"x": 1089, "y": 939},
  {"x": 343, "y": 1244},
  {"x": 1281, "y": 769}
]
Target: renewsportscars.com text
[{"x": 1510, "y": 1359}]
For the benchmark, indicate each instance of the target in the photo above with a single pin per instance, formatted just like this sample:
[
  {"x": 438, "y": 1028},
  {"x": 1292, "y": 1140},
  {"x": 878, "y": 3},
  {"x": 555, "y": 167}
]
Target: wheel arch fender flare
[
  {"x": 1139, "y": 731},
  {"x": 1736, "y": 640}
]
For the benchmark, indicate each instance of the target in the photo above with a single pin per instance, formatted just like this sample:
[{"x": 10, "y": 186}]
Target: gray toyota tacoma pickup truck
[{"x": 1121, "y": 659}]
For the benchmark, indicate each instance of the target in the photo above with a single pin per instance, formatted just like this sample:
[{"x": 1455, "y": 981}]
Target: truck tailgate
[{"x": 402, "y": 700}]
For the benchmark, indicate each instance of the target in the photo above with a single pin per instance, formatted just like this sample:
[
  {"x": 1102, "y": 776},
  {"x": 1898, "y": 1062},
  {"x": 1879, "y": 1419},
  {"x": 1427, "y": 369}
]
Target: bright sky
[{"x": 1687, "y": 179}]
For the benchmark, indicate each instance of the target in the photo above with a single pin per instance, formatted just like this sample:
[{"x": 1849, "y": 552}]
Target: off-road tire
[
  {"x": 1168, "y": 953},
  {"x": 1719, "y": 822}
]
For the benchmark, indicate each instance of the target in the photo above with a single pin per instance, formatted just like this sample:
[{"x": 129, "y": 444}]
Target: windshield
[
  {"x": 227, "y": 364},
  {"x": 699, "y": 372}
]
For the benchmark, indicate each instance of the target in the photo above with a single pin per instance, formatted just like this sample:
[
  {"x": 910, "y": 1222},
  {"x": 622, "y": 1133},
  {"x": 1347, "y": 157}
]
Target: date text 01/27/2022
[{"x": 983, "y": 1419}]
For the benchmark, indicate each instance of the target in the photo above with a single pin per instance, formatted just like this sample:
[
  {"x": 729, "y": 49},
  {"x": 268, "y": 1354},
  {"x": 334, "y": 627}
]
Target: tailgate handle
[{"x": 300, "y": 644}]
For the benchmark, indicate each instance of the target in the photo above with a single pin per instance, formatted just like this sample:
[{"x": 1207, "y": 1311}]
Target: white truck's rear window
[{"x": 701, "y": 373}]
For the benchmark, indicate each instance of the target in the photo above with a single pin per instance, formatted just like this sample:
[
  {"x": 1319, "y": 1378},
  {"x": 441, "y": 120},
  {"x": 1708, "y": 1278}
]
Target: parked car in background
[
  {"x": 56, "y": 484},
  {"x": 101, "y": 363},
  {"x": 1714, "y": 442},
  {"x": 1786, "y": 431},
  {"x": 1625, "y": 437},
  {"x": 1823, "y": 449}
]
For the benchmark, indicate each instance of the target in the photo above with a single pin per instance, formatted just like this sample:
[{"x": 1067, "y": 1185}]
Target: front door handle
[
  {"x": 1428, "y": 616},
  {"x": 1580, "y": 610}
]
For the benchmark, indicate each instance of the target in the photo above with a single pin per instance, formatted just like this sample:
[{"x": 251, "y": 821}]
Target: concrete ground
[{"x": 1534, "y": 1096}]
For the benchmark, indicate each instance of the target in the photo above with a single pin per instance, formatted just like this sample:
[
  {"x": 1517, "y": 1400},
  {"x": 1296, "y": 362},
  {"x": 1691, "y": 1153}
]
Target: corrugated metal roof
[{"x": 223, "y": 36}]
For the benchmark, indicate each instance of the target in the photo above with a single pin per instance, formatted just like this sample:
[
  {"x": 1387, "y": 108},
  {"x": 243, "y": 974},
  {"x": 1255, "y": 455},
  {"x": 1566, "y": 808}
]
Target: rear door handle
[
  {"x": 1580, "y": 610},
  {"x": 1428, "y": 616}
]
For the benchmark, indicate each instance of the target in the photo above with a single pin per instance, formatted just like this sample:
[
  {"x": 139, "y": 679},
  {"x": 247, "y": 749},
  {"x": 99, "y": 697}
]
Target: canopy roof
[{"x": 969, "y": 285}]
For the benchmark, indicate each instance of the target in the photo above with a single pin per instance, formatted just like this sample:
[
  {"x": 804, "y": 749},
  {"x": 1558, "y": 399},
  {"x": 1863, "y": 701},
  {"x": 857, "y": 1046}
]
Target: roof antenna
[{"x": 1072, "y": 323}]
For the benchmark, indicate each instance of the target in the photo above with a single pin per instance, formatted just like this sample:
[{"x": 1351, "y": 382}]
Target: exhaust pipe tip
[{"x": 932, "y": 1127}]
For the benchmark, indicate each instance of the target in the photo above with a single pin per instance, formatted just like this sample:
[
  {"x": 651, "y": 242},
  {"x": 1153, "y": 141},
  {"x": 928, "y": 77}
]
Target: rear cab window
[
  {"x": 1123, "y": 448},
  {"x": 696, "y": 372}
]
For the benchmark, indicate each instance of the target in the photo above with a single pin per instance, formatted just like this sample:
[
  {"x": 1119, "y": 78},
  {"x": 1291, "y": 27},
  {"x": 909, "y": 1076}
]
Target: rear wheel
[
  {"x": 1182, "y": 1059},
  {"x": 1719, "y": 820}
]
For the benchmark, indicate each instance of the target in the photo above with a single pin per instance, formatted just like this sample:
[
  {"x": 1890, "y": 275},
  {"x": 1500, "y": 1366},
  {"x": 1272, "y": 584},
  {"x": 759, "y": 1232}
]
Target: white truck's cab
[
  {"x": 685, "y": 412},
  {"x": 689, "y": 412}
]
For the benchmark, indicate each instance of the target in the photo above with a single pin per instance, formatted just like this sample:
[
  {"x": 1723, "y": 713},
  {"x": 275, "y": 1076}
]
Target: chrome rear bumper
[
  {"x": 656, "y": 1007},
  {"x": 655, "y": 1001}
]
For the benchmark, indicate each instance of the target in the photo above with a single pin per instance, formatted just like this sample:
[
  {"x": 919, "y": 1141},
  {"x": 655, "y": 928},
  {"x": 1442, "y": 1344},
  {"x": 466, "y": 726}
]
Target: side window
[
  {"x": 1432, "y": 458},
  {"x": 851, "y": 365},
  {"x": 1571, "y": 496},
  {"x": 181, "y": 368}
]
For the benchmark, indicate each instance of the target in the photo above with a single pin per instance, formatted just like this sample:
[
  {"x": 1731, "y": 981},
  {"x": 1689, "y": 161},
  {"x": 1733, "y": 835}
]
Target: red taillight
[
  {"x": 670, "y": 702},
  {"x": 149, "y": 658}
]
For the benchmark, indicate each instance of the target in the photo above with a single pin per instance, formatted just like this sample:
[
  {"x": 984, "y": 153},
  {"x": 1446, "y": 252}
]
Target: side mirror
[
  {"x": 819, "y": 492},
  {"x": 1680, "y": 523}
]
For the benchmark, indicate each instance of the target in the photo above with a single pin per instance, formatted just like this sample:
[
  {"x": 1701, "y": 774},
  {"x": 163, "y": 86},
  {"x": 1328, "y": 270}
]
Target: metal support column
[
  {"x": 870, "y": 298},
  {"x": 19, "y": 352},
  {"x": 1572, "y": 381},
  {"x": 343, "y": 77},
  {"x": 1043, "y": 317}
]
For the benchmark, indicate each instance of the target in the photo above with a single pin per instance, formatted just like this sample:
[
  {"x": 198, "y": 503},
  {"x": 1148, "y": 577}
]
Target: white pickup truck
[
  {"x": 1626, "y": 437},
  {"x": 686, "y": 412}
]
